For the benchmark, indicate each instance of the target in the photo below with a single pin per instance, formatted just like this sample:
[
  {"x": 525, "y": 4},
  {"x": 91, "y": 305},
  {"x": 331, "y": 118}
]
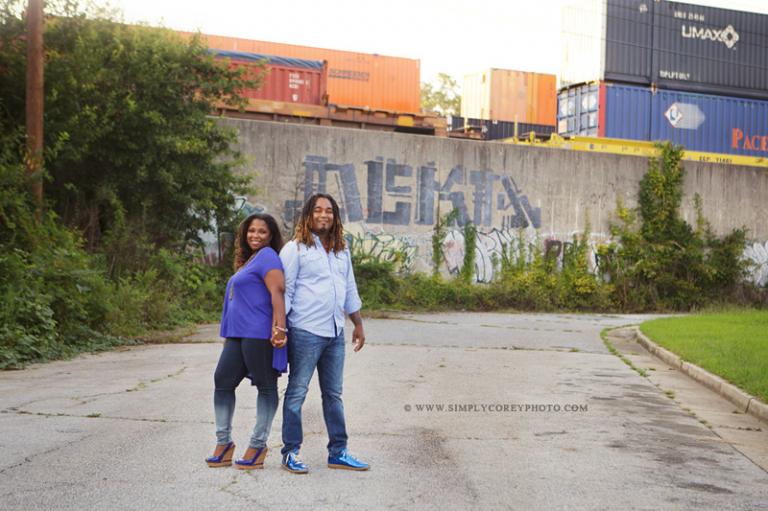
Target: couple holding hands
[{"x": 308, "y": 281}]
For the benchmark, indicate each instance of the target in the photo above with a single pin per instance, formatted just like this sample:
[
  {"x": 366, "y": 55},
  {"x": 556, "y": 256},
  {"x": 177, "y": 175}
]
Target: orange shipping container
[
  {"x": 354, "y": 79},
  {"x": 507, "y": 95}
]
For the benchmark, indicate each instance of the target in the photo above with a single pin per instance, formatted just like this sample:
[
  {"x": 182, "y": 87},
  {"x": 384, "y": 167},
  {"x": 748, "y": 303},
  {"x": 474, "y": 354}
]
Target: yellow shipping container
[{"x": 507, "y": 95}]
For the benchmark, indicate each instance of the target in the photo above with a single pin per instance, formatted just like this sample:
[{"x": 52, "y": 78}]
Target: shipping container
[
  {"x": 710, "y": 50},
  {"x": 507, "y": 95},
  {"x": 363, "y": 80},
  {"x": 496, "y": 130},
  {"x": 284, "y": 79},
  {"x": 670, "y": 45},
  {"x": 699, "y": 122},
  {"x": 609, "y": 39}
]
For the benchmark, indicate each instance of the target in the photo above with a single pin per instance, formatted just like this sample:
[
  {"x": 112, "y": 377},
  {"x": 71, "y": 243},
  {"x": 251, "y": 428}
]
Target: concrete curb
[{"x": 745, "y": 402}]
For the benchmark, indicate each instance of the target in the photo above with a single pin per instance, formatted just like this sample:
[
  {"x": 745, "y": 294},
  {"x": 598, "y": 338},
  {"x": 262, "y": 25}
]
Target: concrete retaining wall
[{"x": 392, "y": 187}]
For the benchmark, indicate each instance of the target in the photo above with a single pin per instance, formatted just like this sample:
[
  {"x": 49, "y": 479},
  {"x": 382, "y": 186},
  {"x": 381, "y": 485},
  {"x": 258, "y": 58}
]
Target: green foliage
[
  {"x": 439, "y": 232},
  {"x": 528, "y": 280},
  {"x": 52, "y": 300},
  {"x": 57, "y": 300},
  {"x": 128, "y": 133},
  {"x": 442, "y": 96},
  {"x": 365, "y": 249},
  {"x": 135, "y": 168},
  {"x": 377, "y": 283},
  {"x": 467, "y": 271},
  {"x": 664, "y": 263}
]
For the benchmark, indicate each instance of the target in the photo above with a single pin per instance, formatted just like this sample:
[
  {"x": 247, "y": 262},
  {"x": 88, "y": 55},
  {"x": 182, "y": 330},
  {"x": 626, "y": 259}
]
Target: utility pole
[{"x": 35, "y": 101}]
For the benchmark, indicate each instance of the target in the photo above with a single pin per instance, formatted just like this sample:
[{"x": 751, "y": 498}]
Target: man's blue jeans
[{"x": 305, "y": 352}]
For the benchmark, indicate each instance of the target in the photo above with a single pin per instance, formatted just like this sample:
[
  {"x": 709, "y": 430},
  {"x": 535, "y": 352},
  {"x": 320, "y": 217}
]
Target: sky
[{"x": 450, "y": 36}]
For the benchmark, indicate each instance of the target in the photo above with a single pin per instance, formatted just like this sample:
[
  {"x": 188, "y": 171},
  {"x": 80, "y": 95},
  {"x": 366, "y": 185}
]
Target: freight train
[{"x": 641, "y": 70}]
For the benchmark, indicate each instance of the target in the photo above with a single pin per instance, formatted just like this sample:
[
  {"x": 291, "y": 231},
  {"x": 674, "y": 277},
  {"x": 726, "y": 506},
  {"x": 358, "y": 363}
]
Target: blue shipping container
[{"x": 699, "y": 122}]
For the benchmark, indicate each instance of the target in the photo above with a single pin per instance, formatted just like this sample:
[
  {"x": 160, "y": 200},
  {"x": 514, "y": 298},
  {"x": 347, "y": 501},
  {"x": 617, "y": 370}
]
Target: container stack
[
  {"x": 657, "y": 70},
  {"x": 363, "y": 80}
]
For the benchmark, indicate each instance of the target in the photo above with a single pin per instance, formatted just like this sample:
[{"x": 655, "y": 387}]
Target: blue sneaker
[
  {"x": 346, "y": 461},
  {"x": 293, "y": 464}
]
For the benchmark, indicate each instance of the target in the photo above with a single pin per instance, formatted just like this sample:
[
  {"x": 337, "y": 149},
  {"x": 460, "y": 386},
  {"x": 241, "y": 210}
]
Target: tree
[
  {"x": 130, "y": 140},
  {"x": 441, "y": 96}
]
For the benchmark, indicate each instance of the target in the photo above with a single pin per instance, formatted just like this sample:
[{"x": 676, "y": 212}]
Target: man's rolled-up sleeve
[
  {"x": 289, "y": 255},
  {"x": 352, "y": 302}
]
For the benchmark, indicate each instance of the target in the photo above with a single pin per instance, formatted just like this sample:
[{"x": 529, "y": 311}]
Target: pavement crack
[
  {"x": 489, "y": 348},
  {"x": 446, "y": 437},
  {"x": 90, "y": 398},
  {"x": 29, "y": 458},
  {"x": 485, "y": 325},
  {"x": 144, "y": 384},
  {"x": 100, "y": 416},
  {"x": 510, "y": 327},
  {"x": 229, "y": 487}
]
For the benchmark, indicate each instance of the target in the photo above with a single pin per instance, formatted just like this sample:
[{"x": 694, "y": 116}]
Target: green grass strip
[
  {"x": 614, "y": 351},
  {"x": 732, "y": 345}
]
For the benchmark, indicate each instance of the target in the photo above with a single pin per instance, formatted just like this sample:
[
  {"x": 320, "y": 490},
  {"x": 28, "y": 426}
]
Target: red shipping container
[
  {"x": 284, "y": 79},
  {"x": 378, "y": 82}
]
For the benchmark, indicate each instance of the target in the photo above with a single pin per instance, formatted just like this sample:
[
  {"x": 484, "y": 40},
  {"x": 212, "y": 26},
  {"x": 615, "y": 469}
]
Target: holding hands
[{"x": 279, "y": 336}]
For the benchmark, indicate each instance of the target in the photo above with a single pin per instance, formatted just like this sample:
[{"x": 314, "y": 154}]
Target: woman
[{"x": 252, "y": 322}]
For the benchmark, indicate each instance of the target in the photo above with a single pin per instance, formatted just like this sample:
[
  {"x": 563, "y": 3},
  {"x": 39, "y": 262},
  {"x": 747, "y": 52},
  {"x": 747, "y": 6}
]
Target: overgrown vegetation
[
  {"x": 439, "y": 231},
  {"x": 665, "y": 263},
  {"x": 526, "y": 278},
  {"x": 134, "y": 169},
  {"x": 657, "y": 262}
]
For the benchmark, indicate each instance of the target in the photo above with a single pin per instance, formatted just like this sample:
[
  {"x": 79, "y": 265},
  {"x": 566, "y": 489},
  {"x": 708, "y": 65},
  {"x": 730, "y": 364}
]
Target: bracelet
[{"x": 280, "y": 329}]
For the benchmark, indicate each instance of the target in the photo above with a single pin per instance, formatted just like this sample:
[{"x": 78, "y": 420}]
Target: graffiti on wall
[
  {"x": 489, "y": 249},
  {"x": 214, "y": 244},
  {"x": 395, "y": 248},
  {"x": 247, "y": 208},
  {"x": 398, "y": 194},
  {"x": 413, "y": 195},
  {"x": 756, "y": 255},
  {"x": 495, "y": 244}
]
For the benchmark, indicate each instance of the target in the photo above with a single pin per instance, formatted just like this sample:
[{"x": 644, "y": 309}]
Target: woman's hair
[
  {"x": 304, "y": 225},
  {"x": 243, "y": 252}
]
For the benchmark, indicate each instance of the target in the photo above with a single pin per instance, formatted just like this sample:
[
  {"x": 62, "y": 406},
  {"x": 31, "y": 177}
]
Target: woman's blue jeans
[
  {"x": 305, "y": 352},
  {"x": 241, "y": 358}
]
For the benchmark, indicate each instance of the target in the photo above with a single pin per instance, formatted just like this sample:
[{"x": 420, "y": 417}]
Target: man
[{"x": 319, "y": 288}]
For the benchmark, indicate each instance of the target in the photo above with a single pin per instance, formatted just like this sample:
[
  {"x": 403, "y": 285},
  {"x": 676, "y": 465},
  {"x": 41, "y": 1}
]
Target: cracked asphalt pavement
[{"x": 453, "y": 411}]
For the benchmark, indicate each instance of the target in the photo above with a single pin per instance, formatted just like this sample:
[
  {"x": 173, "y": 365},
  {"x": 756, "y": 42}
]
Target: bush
[
  {"x": 136, "y": 170},
  {"x": 664, "y": 263},
  {"x": 56, "y": 299},
  {"x": 377, "y": 283}
]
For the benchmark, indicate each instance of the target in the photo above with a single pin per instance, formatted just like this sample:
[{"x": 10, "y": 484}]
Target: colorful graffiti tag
[
  {"x": 399, "y": 249},
  {"x": 493, "y": 245},
  {"x": 756, "y": 255}
]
